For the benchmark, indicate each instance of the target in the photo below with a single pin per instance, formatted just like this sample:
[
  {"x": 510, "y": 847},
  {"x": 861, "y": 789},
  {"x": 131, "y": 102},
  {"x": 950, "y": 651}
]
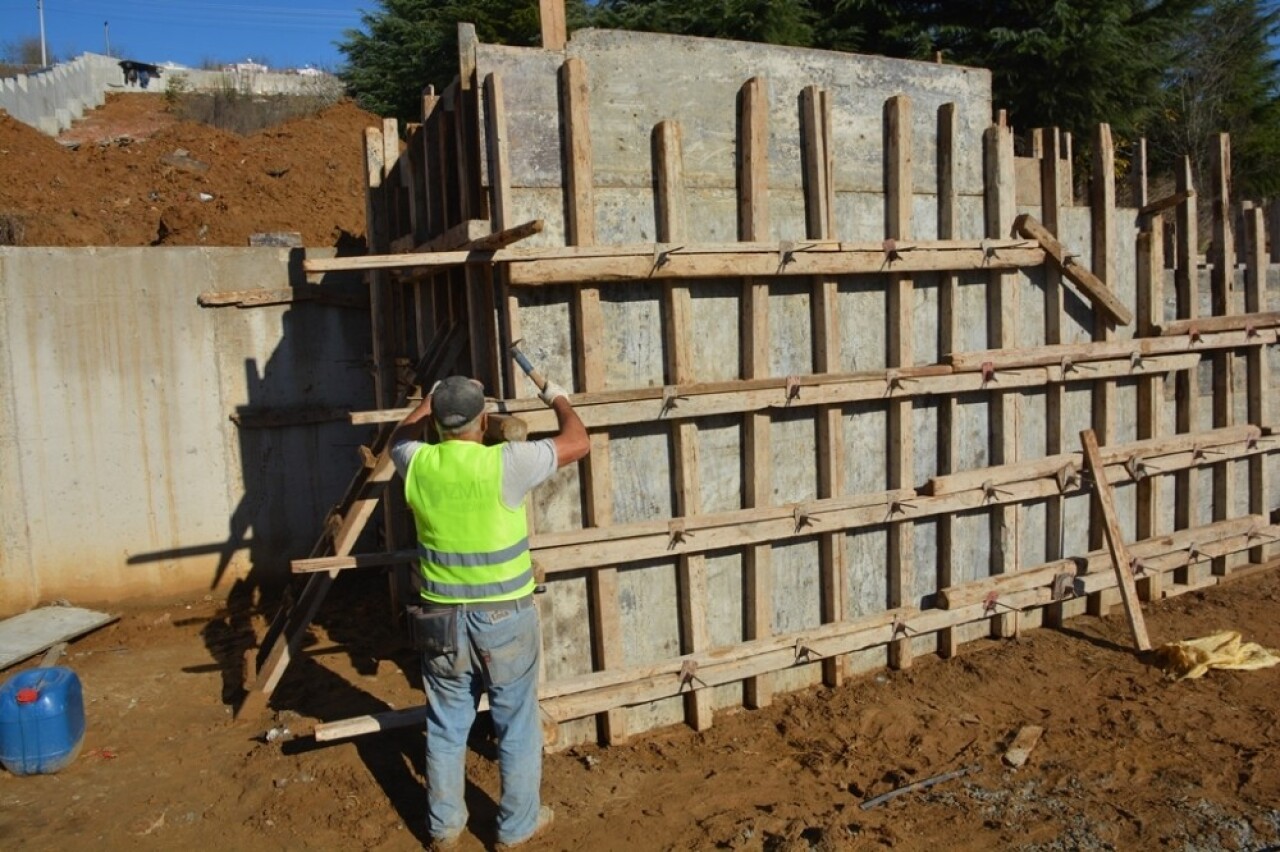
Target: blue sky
[{"x": 189, "y": 32}]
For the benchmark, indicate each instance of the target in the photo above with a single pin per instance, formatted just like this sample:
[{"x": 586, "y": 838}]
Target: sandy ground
[{"x": 1129, "y": 758}]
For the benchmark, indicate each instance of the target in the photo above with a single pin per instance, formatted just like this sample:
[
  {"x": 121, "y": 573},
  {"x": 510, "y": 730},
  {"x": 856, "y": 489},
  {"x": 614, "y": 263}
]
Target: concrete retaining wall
[
  {"x": 52, "y": 99},
  {"x": 122, "y": 472}
]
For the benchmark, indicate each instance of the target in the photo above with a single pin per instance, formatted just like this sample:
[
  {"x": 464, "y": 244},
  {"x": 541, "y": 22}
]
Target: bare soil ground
[
  {"x": 1129, "y": 760},
  {"x": 138, "y": 176}
]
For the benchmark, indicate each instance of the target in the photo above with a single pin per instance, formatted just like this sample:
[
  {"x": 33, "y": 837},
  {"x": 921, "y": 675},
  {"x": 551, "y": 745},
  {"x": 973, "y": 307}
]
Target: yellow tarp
[{"x": 1194, "y": 657}]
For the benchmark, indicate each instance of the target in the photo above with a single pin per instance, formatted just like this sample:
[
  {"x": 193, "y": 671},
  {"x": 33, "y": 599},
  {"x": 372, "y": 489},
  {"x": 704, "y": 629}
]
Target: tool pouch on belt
[{"x": 434, "y": 630}]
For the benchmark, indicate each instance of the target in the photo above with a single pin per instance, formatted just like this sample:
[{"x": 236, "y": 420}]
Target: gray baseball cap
[{"x": 456, "y": 400}]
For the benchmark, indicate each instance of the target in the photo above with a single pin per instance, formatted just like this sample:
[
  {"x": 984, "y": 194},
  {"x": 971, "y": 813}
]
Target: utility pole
[
  {"x": 106, "y": 35},
  {"x": 44, "y": 54}
]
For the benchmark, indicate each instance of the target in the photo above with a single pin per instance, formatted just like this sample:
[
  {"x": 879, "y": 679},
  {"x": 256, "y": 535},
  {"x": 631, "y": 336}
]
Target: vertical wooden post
[
  {"x": 753, "y": 224},
  {"x": 1260, "y": 388},
  {"x": 1222, "y": 284},
  {"x": 819, "y": 194},
  {"x": 1186, "y": 382},
  {"x": 1150, "y": 313},
  {"x": 1102, "y": 196},
  {"x": 1138, "y": 174},
  {"x": 554, "y": 30},
  {"x": 899, "y": 336},
  {"x": 948, "y": 340},
  {"x": 1051, "y": 174},
  {"x": 691, "y": 569},
  {"x": 596, "y": 471},
  {"x": 471, "y": 199},
  {"x": 1273, "y": 229},
  {"x": 1002, "y": 332},
  {"x": 507, "y": 322},
  {"x": 379, "y": 281}
]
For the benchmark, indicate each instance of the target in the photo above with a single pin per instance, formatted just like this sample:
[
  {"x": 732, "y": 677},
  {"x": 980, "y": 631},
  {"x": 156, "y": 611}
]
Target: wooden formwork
[{"x": 834, "y": 344}]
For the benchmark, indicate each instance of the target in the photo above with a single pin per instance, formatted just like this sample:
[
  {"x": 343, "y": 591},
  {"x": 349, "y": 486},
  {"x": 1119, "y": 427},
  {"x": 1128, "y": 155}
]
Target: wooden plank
[
  {"x": 948, "y": 338},
  {"x": 506, "y": 325},
  {"x": 645, "y": 261},
  {"x": 1148, "y": 449},
  {"x": 555, "y": 32},
  {"x": 1096, "y": 561},
  {"x": 1150, "y": 413},
  {"x": 27, "y": 634},
  {"x": 379, "y": 286},
  {"x": 264, "y": 298},
  {"x": 1120, "y": 559},
  {"x": 1138, "y": 176},
  {"x": 559, "y": 552},
  {"x": 595, "y": 470},
  {"x": 1091, "y": 286},
  {"x": 1077, "y": 354},
  {"x": 1222, "y": 260},
  {"x": 1102, "y": 215},
  {"x": 900, "y": 334},
  {"x": 691, "y": 569},
  {"x": 1051, "y": 175},
  {"x": 1186, "y": 390},
  {"x": 1002, "y": 332},
  {"x": 1258, "y": 367},
  {"x": 1254, "y": 320},
  {"x": 753, "y": 224},
  {"x": 1169, "y": 202},
  {"x": 678, "y": 402},
  {"x": 819, "y": 192}
]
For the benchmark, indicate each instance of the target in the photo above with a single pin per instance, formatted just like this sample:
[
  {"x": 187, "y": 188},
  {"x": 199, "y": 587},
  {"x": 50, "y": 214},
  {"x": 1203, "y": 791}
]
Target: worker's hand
[{"x": 550, "y": 391}]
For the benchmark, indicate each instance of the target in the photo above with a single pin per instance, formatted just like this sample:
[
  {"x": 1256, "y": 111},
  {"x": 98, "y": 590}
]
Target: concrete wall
[
  {"x": 51, "y": 100},
  {"x": 634, "y": 83},
  {"x": 121, "y": 473}
]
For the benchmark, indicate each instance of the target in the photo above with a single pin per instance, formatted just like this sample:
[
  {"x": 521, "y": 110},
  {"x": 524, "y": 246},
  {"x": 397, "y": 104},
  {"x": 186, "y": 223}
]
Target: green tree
[
  {"x": 408, "y": 44},
  {"x": 1072, "y": 64},
  {"x": 771, "y": 21},
  {"x": 1227, "y": 80},
  {"x": 901, "y": 28}
]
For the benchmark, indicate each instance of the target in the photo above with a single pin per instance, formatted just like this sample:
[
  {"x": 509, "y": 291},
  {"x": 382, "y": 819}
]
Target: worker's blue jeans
[{"x": 497, "y": 651}]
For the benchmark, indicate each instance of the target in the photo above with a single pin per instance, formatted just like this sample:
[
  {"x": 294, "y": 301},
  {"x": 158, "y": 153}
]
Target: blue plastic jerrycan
[{"x": 41, "y": 720}]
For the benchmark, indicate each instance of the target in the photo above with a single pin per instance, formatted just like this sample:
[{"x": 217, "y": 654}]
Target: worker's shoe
[
  {"x": 443, "y": 844},
  {"x": 545, "y": 817}
]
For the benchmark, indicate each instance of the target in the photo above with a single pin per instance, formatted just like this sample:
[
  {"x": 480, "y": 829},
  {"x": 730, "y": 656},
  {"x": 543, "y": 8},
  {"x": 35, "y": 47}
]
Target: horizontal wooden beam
[
  {"x": 1146, "y": 450},
  {"x": 1234, "y": 322},
  {"x": 597, "y": 264},
  {"x": 1091, "y": 286},
  {"x": 622, "y": 544},
  {"x": 283, "y": 296},
  {"x": 676, "y": 402},
  {"x": 1167, "y": 203},
  {"x": 1097, "y": 561},
  {"x": 276, "y": 418},
  {"x": 1071, "y": 356}
]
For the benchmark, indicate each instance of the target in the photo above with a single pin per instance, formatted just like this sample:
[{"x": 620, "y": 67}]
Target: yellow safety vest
[{"x": 470, "y": 547}]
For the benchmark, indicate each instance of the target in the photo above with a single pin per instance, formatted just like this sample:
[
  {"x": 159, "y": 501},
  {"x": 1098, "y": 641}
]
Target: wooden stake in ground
[{"x": 1115, "y": 541}]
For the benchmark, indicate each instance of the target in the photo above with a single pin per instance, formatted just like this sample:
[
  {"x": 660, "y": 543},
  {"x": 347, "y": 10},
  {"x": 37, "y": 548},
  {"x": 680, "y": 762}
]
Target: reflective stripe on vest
[{"x": 470, "y": 547}]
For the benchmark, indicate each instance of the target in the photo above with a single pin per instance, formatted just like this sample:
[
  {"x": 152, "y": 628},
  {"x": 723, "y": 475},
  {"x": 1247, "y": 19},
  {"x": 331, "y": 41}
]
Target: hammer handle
[{"x": 539, "y": 380}]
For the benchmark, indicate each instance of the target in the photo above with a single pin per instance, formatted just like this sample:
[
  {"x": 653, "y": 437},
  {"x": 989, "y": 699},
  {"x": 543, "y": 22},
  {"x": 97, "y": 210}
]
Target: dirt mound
[{"x": 133, "y": 175}]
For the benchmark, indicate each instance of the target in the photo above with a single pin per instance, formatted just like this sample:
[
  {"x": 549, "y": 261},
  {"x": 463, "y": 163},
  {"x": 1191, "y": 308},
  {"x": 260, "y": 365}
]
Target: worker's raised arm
[{"x": 572, "y": 442}]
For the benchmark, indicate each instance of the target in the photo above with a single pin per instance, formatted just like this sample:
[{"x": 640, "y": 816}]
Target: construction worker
[{"x": 476, "y": 623}]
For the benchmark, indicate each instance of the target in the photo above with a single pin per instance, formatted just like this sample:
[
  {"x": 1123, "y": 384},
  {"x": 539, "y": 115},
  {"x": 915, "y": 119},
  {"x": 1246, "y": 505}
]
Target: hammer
[{"x": 539, "y": 380}]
